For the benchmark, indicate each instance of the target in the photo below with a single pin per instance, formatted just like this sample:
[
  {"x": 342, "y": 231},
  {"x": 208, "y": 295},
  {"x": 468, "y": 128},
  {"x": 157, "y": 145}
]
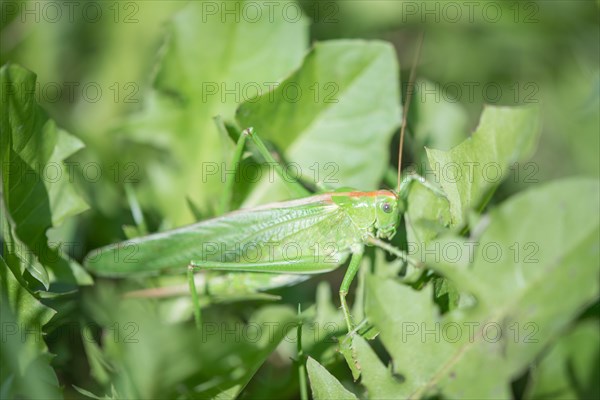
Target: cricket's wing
[{"x": 307, "y": 230}]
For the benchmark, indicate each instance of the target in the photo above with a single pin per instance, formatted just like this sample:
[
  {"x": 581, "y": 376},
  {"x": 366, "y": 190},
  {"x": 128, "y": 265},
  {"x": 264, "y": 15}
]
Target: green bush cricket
[{"x": 320, "y": 231}]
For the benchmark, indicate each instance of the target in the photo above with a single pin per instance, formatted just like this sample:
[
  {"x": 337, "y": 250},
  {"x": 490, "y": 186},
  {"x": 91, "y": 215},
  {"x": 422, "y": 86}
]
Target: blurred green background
[{"x": 474, "y": 53}]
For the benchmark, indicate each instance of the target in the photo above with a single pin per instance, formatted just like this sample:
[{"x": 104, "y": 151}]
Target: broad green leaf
[
  {"x": 325, "y": 386},
  {"x": 334, "y": 117},
  {"x": 37, "y": 188},
  {"x": 400, "y": 312},
  {"x": 214, "y": 59},
  {"x": 376, "y": 377},
  {"x": 470, "y": 172},
  {"x": 569, "y": 370},
  {"x": 427, "y": 216},
  {"x": 515, "y": 314},
  {"x": 16, "y": 253},
  {"x": 439, "y": 122},
  {"x": 115, "y": 68}
]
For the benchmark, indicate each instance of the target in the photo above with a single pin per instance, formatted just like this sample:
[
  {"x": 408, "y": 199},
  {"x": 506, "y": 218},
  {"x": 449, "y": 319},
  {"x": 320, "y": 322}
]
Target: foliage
[{"x": 504, "y": 300}]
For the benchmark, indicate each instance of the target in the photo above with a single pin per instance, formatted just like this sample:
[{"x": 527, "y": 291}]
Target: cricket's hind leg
[
  {"x": 294, "y": 186},
  {"x": 301, "y": 266}
]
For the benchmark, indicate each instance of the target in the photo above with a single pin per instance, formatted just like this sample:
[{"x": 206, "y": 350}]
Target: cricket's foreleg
[
  {"x": 357, "y": 255},
  {"x": 408, "y": 179},
  {"x": 293, "y": 185},
  {"x": 397, "y": 252}
]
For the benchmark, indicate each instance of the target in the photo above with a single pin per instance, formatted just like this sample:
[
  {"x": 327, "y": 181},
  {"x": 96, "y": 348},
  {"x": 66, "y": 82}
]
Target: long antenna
[{"x": 409, "y": 92}]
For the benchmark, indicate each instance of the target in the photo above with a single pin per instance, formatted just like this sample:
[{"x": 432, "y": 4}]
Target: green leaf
[
  {"x": 347, "y": 350},
  {"x": 447, "y": 297},
  {"x": 440, "y": 123},
  {"x": 341, "y": 106},
  {"x": 16, "y": 253},
  {"x": 219, "y": 360},
  {"x": 323, "y": 323},
  {"x": 23, "y": 352},
  {"x": 325, "y": 386},
  {"x": 91, "y": 395},
  {"x": 514, "y": 315},
  {"x": 99, "y": 367},
  {"x": 427, "y": 216},
  {"x": 36, "y": 183},
  {"x": 569, "y": 370},
  {"x": 399, "y": 312},
  {"x": 375, "y": 376},
  {"x": 470, "y": 172},
  {"x": 210, "y": 64}
]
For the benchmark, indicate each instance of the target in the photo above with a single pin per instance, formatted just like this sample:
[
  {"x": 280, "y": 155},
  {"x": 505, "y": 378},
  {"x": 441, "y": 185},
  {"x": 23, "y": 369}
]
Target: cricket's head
[{"x": 387, "y": 211}]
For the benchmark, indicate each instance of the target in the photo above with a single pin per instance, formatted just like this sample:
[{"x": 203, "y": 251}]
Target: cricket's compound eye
[{"x": 386, "y": 207}]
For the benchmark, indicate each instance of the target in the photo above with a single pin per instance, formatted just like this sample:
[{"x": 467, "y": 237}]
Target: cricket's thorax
[{"x": 374, "y": 212}]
